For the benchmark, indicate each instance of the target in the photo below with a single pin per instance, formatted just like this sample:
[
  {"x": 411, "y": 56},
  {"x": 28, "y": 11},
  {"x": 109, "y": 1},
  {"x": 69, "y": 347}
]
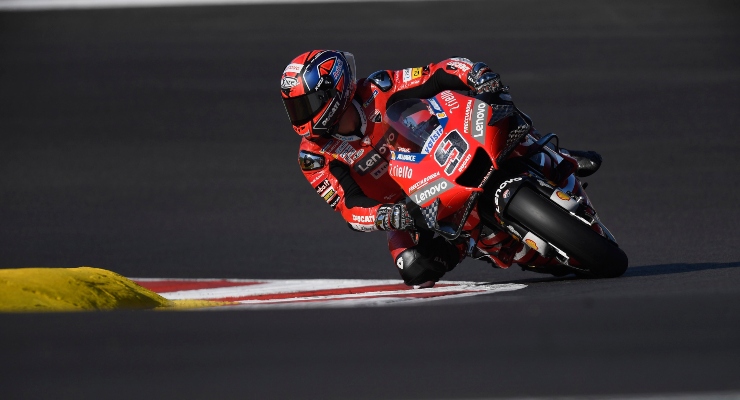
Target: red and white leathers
[{"x": 350, "y": 172}]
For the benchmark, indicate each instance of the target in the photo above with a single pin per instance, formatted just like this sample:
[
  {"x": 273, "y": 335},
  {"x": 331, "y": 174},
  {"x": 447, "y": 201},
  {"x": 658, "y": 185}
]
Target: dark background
[{"x": 153, "y": 143}]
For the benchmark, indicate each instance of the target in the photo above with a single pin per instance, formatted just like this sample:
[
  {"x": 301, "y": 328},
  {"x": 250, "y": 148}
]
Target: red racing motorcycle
[{"x": 471, "y": 162}]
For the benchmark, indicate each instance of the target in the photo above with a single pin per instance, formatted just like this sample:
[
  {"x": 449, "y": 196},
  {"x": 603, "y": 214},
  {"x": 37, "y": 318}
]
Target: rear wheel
[{"x": 600, "y": 256}]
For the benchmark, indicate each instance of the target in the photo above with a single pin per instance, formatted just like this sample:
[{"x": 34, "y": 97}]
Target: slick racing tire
[{"x": 600, "y": 256}]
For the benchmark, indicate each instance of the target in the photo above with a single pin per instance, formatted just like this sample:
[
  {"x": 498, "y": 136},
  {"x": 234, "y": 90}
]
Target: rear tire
[{"x": 600, "y": 256}]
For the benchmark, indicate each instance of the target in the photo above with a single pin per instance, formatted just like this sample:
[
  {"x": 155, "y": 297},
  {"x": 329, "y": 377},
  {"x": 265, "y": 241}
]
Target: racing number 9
[{"x": 452, "y": 147}]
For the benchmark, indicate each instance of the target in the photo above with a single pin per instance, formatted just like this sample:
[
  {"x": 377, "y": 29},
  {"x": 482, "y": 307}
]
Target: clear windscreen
[{"x": 415, "y": 123}]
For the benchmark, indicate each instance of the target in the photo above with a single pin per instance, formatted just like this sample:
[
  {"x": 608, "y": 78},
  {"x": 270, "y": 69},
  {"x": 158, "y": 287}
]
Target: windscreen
[{"x": 416, "y": 124}]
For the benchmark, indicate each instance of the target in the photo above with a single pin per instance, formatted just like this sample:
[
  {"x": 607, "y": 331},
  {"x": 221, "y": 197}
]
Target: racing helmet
[{"x": 317, "y": 87}]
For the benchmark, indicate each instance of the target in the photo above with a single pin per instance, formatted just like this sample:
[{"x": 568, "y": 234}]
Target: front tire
[{"x": 600, "y": 256}]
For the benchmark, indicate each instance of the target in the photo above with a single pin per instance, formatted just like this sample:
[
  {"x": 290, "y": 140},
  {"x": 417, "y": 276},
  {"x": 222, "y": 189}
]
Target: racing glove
[
  {"x": 483, "y": 80},
  {"x": 393, "y": 217}
]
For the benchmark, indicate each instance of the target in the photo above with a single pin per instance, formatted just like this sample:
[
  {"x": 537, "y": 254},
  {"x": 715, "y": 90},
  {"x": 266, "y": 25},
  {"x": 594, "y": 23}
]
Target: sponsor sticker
[
  {"x": 368, "y": 101},
  {"x": 328, "y": 193},
  {"x": 435, "y": 106},
  {"x": 361, "y": 227},
  {"x": 459, "y": 65},
  {"x": 432, "y": 139},
  {"x": 334, "y": 202},
  {"x": 430, "y": 191},
  {"x": 468, "y": 114},
  {"x": 479, "y": 120},
  {"x": 367, "y": 219},
  {"x": 401, "y": 171},
  {"x": 346, "y": 152},
  {"x": 288, "y": 82},
  {"x": 423, "y": 182},
  {"x": 337, "y": 70},
  {"x": 416, "y": 73},
  {"x": 369, "y": 163},
  {"x": 462, "y": 60},
  {"x": 330, "y": 114},
  {"x": 500, "y": 188},
  {"x": 294, "y": 68},
  {"x": 382, "y": 169},
  {"x": 323, "y": 186},
  {"x": 376, "y": 116},
  {"x": 449, "y": 98},
  {"x": 407, "y": 157},
  {"x": 562, "y": 195},
  {"x": 409, "y": 74}
]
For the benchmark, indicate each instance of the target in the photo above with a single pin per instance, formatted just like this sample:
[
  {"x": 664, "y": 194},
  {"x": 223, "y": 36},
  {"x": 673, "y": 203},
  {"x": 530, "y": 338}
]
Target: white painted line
[
  {"x": 37, "y": 5},
  {"x": 359, "y": 301},
  {"x": 314, "y": 293},
  {"x": 274, "y": 286}
]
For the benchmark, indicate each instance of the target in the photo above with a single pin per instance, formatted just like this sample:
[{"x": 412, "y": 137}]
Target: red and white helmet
[{"x": 317, "y": 87}]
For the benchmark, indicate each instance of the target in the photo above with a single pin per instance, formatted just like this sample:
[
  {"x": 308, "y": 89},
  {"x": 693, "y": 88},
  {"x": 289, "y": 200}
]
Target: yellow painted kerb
[{"x": 77, "y": 289}]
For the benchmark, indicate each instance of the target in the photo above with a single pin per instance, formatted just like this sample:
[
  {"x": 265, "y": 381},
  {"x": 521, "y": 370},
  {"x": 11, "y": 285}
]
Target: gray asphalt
[{"x": 152, "y": 142}]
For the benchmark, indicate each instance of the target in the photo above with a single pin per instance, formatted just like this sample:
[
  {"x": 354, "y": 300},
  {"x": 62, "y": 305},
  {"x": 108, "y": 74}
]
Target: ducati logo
[{"x": 399, "y": 263}]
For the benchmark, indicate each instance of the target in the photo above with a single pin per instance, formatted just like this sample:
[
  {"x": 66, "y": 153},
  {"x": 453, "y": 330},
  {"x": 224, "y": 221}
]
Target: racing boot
[
  {"x": 588, "y": 161},
  {"x": 529, "y": 260}
]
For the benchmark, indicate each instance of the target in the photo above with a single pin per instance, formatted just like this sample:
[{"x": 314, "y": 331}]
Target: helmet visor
[{"x": 302, "y": 109}]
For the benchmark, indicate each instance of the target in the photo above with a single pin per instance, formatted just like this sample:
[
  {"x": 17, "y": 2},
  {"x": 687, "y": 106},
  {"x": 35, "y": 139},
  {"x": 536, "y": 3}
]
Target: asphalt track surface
[{"x": 152, "y": 142}]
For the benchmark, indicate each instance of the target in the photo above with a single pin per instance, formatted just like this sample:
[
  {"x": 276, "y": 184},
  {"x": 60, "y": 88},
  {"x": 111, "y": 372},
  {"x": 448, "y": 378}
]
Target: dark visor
[{"x": 302, "y": 108}]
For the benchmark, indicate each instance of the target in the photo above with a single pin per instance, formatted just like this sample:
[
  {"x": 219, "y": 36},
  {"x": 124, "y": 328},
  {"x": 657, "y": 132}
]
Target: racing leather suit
[{"x": 350, "y": 172}]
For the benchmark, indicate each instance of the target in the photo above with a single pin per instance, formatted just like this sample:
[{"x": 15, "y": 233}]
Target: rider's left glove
[
  {"x": 483, "y": 80},
  {"x": 393, "y": 217}
]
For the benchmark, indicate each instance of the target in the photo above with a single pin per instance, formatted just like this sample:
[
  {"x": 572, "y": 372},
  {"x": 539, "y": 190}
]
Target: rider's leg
[
  {"x": 424, "y": 260},
  {"x": 496, "y": 246},
  {"x": 588, "y": 161}
]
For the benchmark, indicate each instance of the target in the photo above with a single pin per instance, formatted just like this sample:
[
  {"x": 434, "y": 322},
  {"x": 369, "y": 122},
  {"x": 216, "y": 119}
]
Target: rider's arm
[
  {"x": 332, "y": 181},
  {"x": 425, "y": 82}
]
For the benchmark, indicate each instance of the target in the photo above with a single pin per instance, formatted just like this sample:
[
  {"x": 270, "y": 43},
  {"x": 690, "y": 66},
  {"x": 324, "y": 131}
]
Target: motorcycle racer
[{"x": 345, "y": 147}]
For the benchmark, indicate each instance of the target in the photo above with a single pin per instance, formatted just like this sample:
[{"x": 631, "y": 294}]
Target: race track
[{"x": 152, "y": 142}]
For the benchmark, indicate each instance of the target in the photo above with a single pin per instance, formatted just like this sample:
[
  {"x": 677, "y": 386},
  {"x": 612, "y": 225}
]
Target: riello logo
[{"x": 401, "y": 171}]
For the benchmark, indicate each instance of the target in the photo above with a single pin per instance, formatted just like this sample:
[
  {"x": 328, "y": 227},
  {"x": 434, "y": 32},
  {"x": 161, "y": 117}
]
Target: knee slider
[
  {"x": 421, "y": 263},
  {"x": 416, "y": 269}
]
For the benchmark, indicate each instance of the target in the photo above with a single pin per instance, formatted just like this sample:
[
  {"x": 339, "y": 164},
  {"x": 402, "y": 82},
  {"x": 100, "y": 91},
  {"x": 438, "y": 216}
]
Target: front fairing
[{"x": 431, "y": 158}]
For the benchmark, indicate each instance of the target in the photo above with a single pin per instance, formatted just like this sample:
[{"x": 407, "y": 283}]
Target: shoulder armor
[
  {"x": 381, "y": 79},
  {"x": 310, "y": 161}
]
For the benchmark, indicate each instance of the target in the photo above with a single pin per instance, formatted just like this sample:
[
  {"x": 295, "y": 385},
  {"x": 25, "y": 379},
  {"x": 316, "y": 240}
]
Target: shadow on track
[
  {"x": 641, "y": 271},
  {"x": 669, "y": 269}
]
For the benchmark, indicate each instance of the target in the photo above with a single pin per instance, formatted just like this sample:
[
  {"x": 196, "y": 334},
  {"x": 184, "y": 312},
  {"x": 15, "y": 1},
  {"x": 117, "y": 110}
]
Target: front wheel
[{"x": 597, "y": 254}]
